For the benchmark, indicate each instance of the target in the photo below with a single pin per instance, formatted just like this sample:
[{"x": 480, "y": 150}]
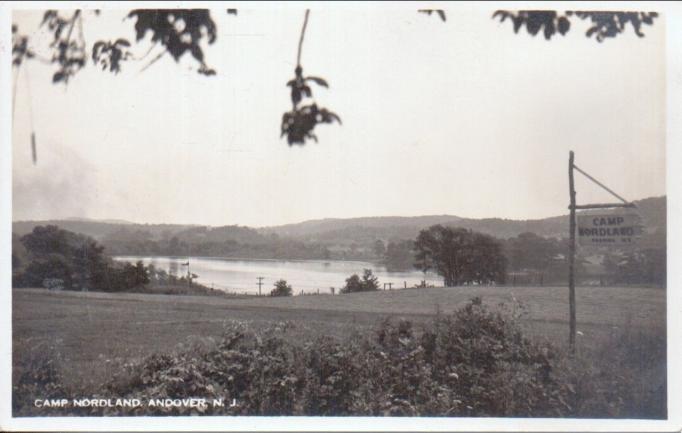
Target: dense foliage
[
  {"x": 72, "y": 261},
  {"x": 367, "y": 283},
  {"x": 473, "y": 362},
  {"x": 639, "y": 266},
  {"x": 282, "y": 289},
  {"x": 603, "y": 24},
  {"x": 460, "y": 256},
  {"x": 54, "y": 258}
]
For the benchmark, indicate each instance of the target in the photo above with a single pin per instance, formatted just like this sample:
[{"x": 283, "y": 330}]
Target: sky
[{"x": 463, "y": 117}]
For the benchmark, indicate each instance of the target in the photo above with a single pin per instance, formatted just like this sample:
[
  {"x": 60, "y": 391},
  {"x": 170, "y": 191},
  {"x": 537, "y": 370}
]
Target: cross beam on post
[
  {"x": 572, "y": 225},
  {"x": 600, "y": 184},
  {"x": 260, "y": 283}
]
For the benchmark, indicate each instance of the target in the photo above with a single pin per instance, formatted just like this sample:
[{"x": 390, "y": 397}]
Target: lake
[{"x": 237, "y": 275}]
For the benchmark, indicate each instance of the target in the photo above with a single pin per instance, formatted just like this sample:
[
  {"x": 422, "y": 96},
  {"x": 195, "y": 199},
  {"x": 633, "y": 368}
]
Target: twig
[
  {"x": 80, "y": 29},
  {"x": 14, "y": 90},
  {"x": 154, "y": 60},
  {"x": 73, "y": 23},
  {"x": 144, "y": 56},
  {"x": 40, "y": 58},
  {"x": 300, "y": 41}
]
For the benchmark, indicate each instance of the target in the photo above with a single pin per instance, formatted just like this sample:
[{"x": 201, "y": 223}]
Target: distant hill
[
  {"x": 335, "y": 233},
  {"x": 359, "y": 230},
  {"x": 96, "y": 228}
]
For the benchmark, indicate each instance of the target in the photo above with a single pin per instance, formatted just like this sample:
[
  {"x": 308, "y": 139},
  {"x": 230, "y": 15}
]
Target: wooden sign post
[
  {"x": 572, "y": 225},
  {"x": 571, "y": 256}
]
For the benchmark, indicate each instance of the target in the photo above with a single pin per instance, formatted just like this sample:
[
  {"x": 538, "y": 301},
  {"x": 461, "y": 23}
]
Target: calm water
[{"x": 307, "y": 275}]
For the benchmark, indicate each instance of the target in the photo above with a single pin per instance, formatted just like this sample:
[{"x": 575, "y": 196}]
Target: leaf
[
  {"x": 197, "y": 53},
  {"x": 440, "y": 12},
  {"x": 122, "y": 42},
  {"x": 204, "y": 70},
  {"x": 533, "y": 27},
  {"x": 563, "y": 25},
  {"x": 549, "y": 30},
  {"x": 317, "y": 80},
  {"x": 58, "y": 76},
  {"x": 518, "y": 22},
  {"x": 49, "y": 14},
  {"x": 502, "y": 14},
  {"x": 96, "y": 50}
]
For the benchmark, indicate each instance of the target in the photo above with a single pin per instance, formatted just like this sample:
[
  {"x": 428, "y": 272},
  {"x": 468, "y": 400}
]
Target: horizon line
[{"x": 121, "y": 221}]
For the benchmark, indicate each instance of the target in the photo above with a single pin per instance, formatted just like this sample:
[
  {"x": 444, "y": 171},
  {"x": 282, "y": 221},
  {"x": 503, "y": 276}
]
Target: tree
[
  {"x": 605, "y": 24},
  {"x": 399, "y": 255},
  {"x": 141, "y": 274},
  {"x": 282, "y": 289},
  {"x": 369, "y": 280},
  {"x": 58, "y": 253},
  {"x": 182, "y": 31},
  {"x": 460, "y": 256},
  {"x": 637, "y": 266},
  {"x": 529, "y": 251},
  {"x": 487, "y": 263},
  {"x": 77, "y": 260},
  {"x": 354, "y": 283},
  {"x": 379, "y": 248},
  {"x": 52, "y": 266}
]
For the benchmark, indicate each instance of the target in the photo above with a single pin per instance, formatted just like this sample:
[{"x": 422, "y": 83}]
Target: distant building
[{"x": 53, "y": 283}]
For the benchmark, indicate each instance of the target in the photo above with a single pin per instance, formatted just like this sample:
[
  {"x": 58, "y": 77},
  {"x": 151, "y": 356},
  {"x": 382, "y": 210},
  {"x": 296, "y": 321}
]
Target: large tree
[
  {"x": 530, "y": 252},
  {"x": 77, "y": 260},
  {"x": 460, "y": 256},
  {"x": 58, "y": 253}
]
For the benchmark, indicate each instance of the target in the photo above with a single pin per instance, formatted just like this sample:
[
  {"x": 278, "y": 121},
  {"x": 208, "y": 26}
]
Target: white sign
[{"x": 618, "y": 228}]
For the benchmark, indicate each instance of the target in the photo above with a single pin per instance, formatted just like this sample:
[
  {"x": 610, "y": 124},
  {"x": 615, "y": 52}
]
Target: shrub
[
  {"x": 282, "y": 289},
  {"x": 354, "y": 283},
  {"x": 37, "y": 377}
]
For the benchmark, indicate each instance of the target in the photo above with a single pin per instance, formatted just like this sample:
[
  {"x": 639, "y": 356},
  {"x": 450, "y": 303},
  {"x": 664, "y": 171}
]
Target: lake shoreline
[
  {"x": 257, "y": 276},
  {"x": 248, "y": 259}
]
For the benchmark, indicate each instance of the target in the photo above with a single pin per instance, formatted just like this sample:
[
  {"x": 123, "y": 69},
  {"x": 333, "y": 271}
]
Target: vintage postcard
[{"x": 354, "y": 216}]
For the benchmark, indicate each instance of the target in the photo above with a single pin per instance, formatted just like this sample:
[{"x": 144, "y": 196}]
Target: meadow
[{"x": 91, "y": 337}]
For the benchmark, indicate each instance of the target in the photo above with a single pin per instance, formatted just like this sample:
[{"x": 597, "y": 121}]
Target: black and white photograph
[{"x": 394, "y": 213}]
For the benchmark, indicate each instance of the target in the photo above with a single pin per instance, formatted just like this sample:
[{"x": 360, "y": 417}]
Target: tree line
[
  {"x": 466, "y": 257},
  {"x": 60, "y": 259},
  {"x": 70, "y": 260},
  {"x": 458, "y": 255}
]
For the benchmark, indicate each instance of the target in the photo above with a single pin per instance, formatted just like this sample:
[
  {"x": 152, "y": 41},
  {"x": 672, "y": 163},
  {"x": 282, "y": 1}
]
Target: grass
[{"x": 96, "y": 333}]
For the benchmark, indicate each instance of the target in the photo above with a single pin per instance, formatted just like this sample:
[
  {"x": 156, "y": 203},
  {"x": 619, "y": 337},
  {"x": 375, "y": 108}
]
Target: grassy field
[{"x": 94, "y": 333}]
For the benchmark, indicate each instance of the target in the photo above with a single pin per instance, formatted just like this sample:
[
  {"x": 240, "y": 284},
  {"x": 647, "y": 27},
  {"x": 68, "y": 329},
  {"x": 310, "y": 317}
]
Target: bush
[
  {"x": 354, "y": 284},
  {"x": 282, "y": 289},
  {"x": 38, "y": 377}
]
